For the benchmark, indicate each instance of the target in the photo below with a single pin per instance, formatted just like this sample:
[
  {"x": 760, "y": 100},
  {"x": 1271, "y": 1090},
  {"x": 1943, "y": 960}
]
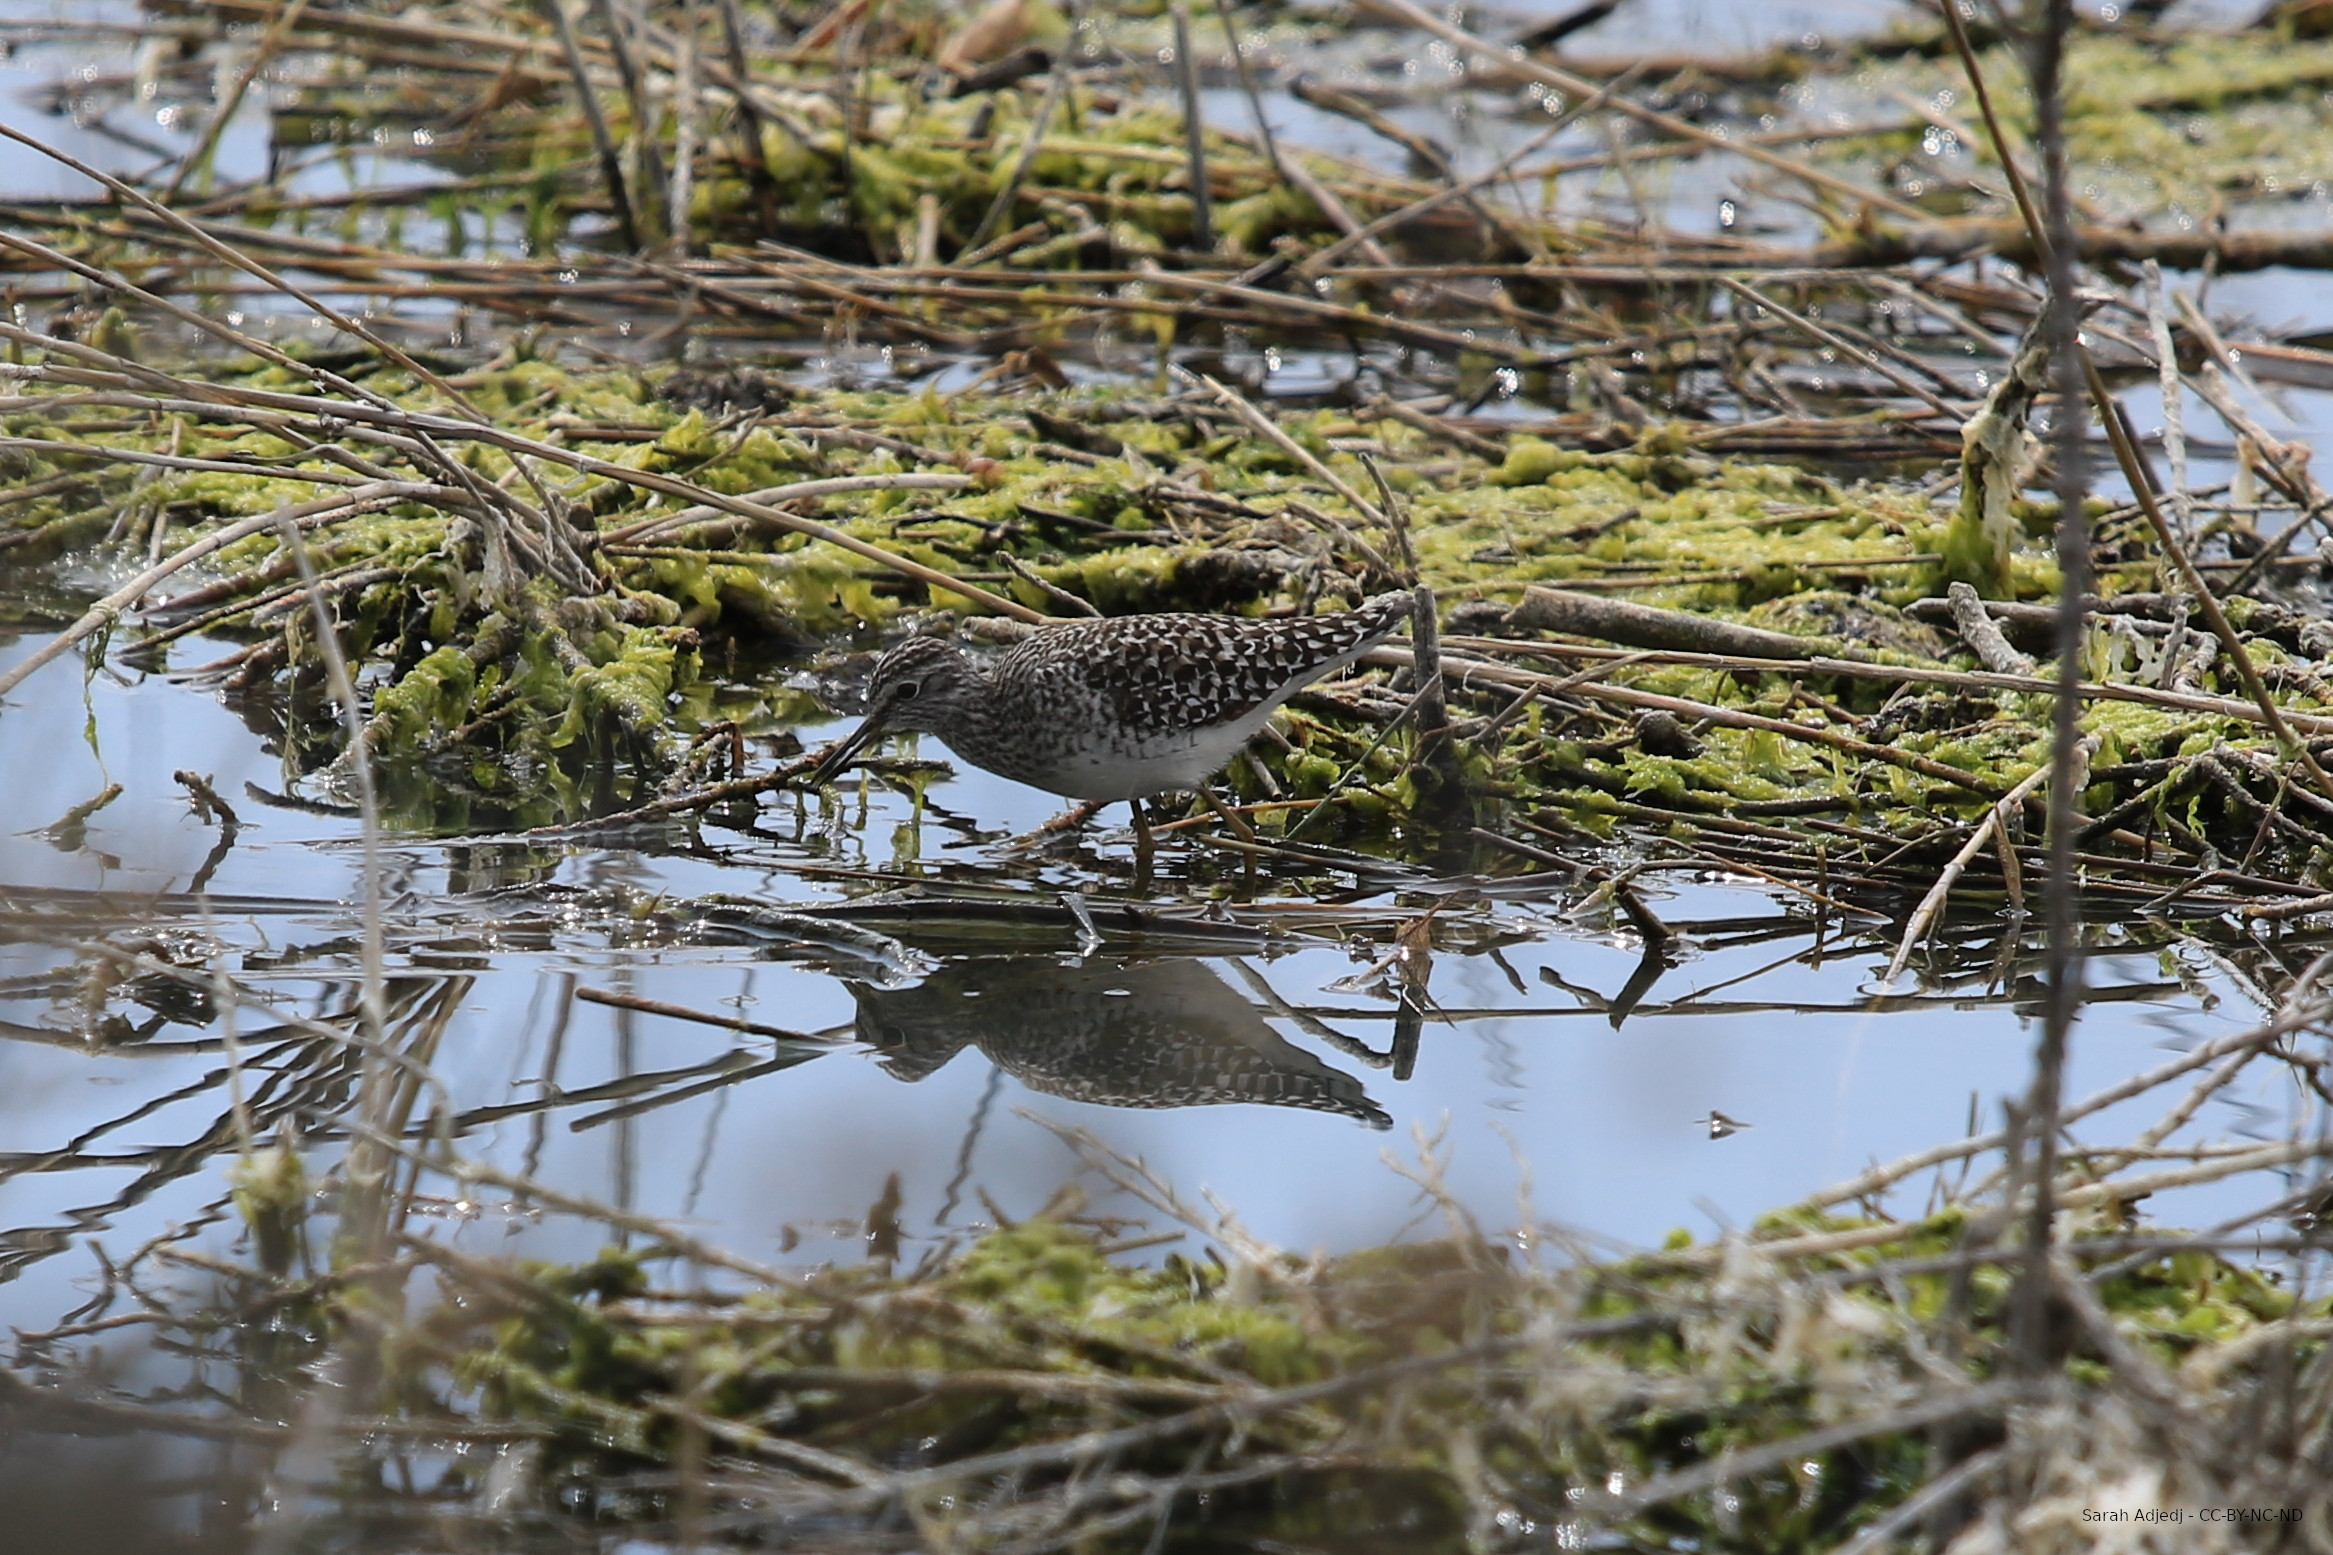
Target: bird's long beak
[{"x": 870, "y": 729}]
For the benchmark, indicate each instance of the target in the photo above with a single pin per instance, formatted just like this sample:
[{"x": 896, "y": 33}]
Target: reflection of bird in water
[{"x": 1156, "y": 1034}]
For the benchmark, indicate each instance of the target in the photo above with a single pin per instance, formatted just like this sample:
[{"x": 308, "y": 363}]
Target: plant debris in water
[{"x": 719, "y": 345}]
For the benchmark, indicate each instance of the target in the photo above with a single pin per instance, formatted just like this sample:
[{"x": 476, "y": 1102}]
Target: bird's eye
[{"x": 908, "y": 688}]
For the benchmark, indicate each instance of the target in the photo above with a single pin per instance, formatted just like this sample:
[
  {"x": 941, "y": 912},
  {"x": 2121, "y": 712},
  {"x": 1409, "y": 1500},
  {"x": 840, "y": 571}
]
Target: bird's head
[{"x": 922, "y": 684}]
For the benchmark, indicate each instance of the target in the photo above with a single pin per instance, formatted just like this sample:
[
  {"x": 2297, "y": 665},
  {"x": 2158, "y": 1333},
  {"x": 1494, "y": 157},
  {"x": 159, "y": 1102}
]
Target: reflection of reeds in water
[
  {"x": 794, "y": 1445},
  {"x": 1145, "y": 1034}
]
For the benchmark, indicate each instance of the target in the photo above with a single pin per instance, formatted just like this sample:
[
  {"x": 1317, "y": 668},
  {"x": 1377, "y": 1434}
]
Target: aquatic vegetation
[
  {"x": 566, "y": 490},
  {"x": 890, "y": 170},
  {"x": 2163, "y": 123},
  {"x": 911, "y": 503},
  {"x": 1776, "y": 1391}
]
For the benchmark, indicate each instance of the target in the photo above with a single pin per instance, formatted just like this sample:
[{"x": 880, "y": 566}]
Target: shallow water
[
  {"x": 1548, "y": 1108},
  {"x": 1262, "y": 1065},
  {"x": 960, "y": 1048}
]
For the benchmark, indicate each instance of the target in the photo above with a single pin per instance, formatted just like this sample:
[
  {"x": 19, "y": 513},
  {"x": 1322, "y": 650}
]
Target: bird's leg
[
  {"x": 1143, "y": 855},
  {"x": 1239, "y": 828}
]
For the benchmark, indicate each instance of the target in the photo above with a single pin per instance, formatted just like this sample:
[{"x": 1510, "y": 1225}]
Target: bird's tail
[
  {"x": 1378, "y": 615},
  {"x": 1330, "y": 641}
]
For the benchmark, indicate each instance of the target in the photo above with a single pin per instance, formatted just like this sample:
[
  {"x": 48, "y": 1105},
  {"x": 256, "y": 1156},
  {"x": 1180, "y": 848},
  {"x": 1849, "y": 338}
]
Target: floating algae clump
[
  {"x": 627, "y": 691},
  {"x": 434, "y": 694}
]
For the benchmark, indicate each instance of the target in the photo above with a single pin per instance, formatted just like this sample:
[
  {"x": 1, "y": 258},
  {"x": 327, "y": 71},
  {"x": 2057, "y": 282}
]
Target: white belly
[{"x": 1176, "y": 765}]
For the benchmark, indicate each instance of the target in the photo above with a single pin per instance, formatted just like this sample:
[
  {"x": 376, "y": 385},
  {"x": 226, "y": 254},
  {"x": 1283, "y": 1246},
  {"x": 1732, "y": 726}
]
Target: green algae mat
[{"x": 1743, "y": 659}]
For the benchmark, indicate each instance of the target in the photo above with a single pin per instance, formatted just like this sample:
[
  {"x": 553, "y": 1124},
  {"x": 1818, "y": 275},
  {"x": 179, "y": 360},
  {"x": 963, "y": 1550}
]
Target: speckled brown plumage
[{"x": 1120, "y": 708}]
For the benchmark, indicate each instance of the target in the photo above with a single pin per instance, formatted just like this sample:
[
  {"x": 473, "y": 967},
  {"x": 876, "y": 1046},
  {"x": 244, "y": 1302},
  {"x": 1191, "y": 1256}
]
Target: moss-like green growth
[
  {"x": 2163, "y": 124},
  {"x": 508, "y": 688}
]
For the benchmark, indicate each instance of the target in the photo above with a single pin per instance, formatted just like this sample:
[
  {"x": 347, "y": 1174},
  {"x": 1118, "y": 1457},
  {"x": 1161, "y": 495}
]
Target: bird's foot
[{"x": 1067, "y": 821}]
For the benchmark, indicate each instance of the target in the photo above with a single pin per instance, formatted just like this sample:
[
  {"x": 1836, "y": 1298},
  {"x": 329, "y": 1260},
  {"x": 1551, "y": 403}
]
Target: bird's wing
[{"x": 1173, "y": 673}]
